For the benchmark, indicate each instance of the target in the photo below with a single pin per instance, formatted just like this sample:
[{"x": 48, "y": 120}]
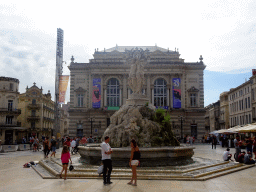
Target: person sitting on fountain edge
[{"x": 106, "y": 160}]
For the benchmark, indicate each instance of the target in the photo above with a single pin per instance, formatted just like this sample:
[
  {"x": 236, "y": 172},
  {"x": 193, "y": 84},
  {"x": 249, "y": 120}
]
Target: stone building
[
  {"x": 10, "y": 128},
  {"x": 224, "y": 111},
  {"x": 37, "y": 112},
  {"x": 253, "y": 84},
  {"x": 100, "y": 87},
  {"x": 64, "y": 120},
  {"x": 240, "y": 107},
  {"x": 212, "y": 117}
]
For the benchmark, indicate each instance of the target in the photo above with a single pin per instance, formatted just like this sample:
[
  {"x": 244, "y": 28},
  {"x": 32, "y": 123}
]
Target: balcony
[
  {"x": 33, "y": 118},
  {"x": 48, "y": 119},
  {"x": 10, "y": 111},
  {"x": 48, "y": 108},
  {"x": 34, "y": 106},
  {"x": 14, "y": 124},
  {"x": 221, "y": 122}
]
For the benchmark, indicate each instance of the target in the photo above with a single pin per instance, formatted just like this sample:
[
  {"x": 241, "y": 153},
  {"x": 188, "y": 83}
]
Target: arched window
[
  {"x": 160, "y": 93},
  {"x": 113, "y": 93}
]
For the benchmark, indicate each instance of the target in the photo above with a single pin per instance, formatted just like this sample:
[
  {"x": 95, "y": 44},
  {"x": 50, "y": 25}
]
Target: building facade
[
  {"x": 37, "y": 112},
  {"x": 212, "y": 117},
  {"x": 100, "y": 87},
  {"x": 240, "y": 106},
  {"x": 224, "y": 111},
  {"x": 10, "y": 128},
  {"x": 253, "y": 84},
  {"x": 64, "y": 120}
]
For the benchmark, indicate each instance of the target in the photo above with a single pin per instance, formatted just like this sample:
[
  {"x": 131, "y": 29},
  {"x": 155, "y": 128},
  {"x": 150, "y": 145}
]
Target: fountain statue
[{"x": 139, "y": 120}]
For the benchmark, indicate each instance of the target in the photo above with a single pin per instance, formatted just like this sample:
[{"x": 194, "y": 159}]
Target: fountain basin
[{"x": 150, "y": 156}]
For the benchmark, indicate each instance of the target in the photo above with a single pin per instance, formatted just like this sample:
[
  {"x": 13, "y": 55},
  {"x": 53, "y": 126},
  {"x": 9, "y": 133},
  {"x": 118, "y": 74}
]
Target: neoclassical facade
[
  {"x": 10, "y": 128},
  {"x": 100, "y": 87}
]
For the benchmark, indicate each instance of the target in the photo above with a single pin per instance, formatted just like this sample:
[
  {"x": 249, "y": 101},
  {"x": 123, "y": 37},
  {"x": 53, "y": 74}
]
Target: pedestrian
[
  {"x": 214, "y": 142},
  {"x": 191, "y": 140},
  {"x": 46, "y": 147},
  {"x": 254, "y": 147},
  {"x": 106, "y": 160},
  {"x": 90, "y": 139},
  {"x": 248, "y": 158},
  {"x": 35, "y": 144},
  {"x": 65, "y": 158},
  {"x": 237, "y": 144},
  {"x": 134, "y": 161},
  {"x": 53, "y": 146},
  {"x": 67, "y": 142},
  {"x": 249, "y": 145}
]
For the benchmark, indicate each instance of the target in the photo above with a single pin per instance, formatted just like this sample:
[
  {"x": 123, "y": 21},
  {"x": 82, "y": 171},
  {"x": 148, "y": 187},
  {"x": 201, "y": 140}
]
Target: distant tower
[{"x": 59, "y": 67}]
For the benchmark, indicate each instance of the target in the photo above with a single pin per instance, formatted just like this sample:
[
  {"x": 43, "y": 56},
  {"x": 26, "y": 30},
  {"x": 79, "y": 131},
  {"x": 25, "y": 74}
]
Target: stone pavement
[{"x": 13, "y": 177}]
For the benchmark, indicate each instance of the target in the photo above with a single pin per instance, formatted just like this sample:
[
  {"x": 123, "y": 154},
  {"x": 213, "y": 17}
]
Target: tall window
[
  {"x": 160, "y": 93},
  {"x": 33, "y": 101},
  {"x": 33, "y": 113},
  {"x": 11, "y": 87},
  {"x": 249, "y": 104},
  {"x": 113, "y": 93},
  {"x": 33, "y": 124},
  {"x": 245, "y": 103},
  {"x": 80, "y": 100},
  {"x": 250, "y": 120},
  {"x": 193, "y": 100},
  {"x": 10, "y": 104},
  {"x": 9, "y": 120}
]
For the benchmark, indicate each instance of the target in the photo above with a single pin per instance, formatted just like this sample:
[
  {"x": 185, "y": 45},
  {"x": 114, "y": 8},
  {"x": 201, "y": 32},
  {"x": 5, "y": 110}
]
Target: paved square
[{"x": 13, "y": 177}]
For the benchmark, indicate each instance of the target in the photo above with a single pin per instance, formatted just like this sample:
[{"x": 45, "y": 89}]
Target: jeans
[{"x": 107, "y": 166}]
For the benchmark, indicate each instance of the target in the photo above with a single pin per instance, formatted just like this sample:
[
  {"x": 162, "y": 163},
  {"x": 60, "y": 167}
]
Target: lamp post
[{"x": 91, "y": 120}]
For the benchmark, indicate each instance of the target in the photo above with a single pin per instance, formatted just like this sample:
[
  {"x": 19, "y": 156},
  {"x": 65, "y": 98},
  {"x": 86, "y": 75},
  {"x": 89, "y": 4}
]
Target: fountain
[{"x": 140, "y": 120}]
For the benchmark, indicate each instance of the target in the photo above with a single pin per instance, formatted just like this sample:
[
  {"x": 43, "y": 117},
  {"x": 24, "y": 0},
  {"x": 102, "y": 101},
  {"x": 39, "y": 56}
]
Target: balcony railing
[
  {"x": 34, "y": 106},
  {"x": 48, "y": 119},
  {"x": 33, "y": 118},
  {"x": 13, "y": 124},
  {"x": 10, "y": 111},
  {"x": 48, "y": 108}
]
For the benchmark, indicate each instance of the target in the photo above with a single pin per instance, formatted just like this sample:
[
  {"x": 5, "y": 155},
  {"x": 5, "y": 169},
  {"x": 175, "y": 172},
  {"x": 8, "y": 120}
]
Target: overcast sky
[{"x": 222, "y": 31}]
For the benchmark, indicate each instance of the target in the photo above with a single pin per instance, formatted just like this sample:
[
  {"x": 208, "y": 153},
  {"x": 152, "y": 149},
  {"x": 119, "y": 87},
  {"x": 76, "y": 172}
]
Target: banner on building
[
  {"x": 96, "y": 93},
  {"x": 63, "y": 84},
  {"x": 176, "y": 93}
]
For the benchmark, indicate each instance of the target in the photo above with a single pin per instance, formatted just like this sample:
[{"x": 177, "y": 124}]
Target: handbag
[
  {"x": 100, "y": 169},
  {"x": 71, "y": 167}
]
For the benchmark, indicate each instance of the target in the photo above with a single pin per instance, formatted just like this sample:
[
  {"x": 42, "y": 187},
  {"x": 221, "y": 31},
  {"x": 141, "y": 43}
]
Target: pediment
[
  {"x": 80, "y": 89},
  {"x": 193, "y": 89}
]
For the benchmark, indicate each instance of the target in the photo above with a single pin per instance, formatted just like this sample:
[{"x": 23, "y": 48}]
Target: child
[{"x": 65, "y": 157}]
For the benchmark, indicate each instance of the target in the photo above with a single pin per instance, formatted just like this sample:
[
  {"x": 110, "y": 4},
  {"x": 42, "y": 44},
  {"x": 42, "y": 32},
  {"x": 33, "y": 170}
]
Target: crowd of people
[{"x": 241, "y": 156}]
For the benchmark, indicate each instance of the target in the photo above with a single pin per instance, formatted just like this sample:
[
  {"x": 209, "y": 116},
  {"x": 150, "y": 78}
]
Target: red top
[
  {"x": 65, "y": 157},
  {"x": 67, "y": 143}
]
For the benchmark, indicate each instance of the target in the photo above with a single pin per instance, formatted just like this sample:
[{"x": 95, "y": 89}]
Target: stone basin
[{"x": 150, "y": 156}]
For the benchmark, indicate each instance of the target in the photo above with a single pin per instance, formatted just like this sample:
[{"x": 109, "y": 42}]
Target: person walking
[
  {"x": 35, "y": 144},
  {"x": 134, "y": 161},
  {"x": 53, "y": 146},
  {"x": 237, "y": 147},
  {"x": 106, "y": 160},
  {"x": 65, "y": 158},
  {"x": 46, "y": 147},
  {"x": 214, "y": 142}
]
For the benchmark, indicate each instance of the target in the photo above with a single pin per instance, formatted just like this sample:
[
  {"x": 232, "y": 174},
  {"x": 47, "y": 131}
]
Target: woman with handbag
[
  {"x": 65, "y": 158},
  {"x": 134, "y": 162}
]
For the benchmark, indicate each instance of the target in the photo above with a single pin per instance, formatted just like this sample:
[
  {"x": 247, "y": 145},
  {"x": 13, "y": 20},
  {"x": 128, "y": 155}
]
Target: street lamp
[
  {"x": 181, "y": 125},
  {"x": 91, "y": 119}
]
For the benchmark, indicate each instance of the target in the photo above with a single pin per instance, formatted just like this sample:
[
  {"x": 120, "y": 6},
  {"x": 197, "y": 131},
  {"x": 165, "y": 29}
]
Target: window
[
  {"x": 33, "y": 125},
  {"x": 11, "y": 87},
  {"x": 80, "y": 100},
  {"x": 250, "y": 118},
  {"x": 33, "y": 101},
  {"x": 113, "y": 93},
  {"x": 245, "y": 103},
  {"x": 242, "y": 101},
  {"x": 244, "y": 90},
  {"x": 246, "y": 119},
  {"x": 9, "y": 120},
  {"x": 160, "y": 93},
  {"x": 253, "y": 94},
  {"x": 33, "y": 113},
  {"x": 10, "y": 104},
  {"x": 249, "y": 104},
  {"x": 193, "y": 100}
]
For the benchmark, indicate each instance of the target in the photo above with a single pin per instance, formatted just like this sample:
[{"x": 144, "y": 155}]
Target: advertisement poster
[
  {"x": 176, "y": 93},
  {"x": 96, "y": 93},
  {"x": 63, "y": 84}
]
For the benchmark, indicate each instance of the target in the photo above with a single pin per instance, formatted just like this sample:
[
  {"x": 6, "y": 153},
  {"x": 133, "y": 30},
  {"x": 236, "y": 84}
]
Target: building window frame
[
  {"x": 160, "y": 92},
  {"x": 80, "y": 100},
  {"x": 113, "y": 92}
]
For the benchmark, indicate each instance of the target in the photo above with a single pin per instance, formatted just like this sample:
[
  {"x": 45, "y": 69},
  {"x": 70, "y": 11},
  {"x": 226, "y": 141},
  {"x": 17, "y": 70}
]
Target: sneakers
[{"x": 109, "y": 182}]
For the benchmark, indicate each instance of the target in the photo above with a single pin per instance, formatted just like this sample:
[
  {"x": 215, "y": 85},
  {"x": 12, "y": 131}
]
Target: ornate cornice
[
  {"x": 80, "y": 89},
  {"x": 193, "y": 89}
]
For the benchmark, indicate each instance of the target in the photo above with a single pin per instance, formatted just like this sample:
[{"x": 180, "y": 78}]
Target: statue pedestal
[{"x": 137, "y": 99}]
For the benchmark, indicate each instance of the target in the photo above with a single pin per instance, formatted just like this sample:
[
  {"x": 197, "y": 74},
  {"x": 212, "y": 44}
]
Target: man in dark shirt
[
  {"x": 249, "y": 145},
  {"x": 241, "y": 157}
]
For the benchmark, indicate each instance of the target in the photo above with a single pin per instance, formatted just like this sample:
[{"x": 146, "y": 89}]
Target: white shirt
[
  {"x": 225, "y": 155},
  {"x": 73, "y": 143},
  {"x": 105, "y": 147}
]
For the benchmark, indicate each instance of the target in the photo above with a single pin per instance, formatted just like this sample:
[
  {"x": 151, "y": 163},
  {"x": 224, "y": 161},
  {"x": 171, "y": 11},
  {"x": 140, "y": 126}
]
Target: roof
[{"x": 123, "y": 48}]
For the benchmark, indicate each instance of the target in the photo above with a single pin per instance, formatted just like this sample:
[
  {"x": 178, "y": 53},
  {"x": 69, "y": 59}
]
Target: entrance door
[
  {"x": 194, "y": 130},
  {"x": 8, "y": 137}
]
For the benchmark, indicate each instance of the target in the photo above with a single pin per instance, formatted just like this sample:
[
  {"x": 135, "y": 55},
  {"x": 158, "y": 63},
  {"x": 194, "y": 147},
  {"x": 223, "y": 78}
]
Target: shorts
[
  {"x": 53, "y": 149},
  {"x": 135, "y": 162},
  {"x": 64, "y": 163}
]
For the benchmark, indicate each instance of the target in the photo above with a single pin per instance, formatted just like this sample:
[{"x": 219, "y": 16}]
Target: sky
[{"x": 222, "y": 31}]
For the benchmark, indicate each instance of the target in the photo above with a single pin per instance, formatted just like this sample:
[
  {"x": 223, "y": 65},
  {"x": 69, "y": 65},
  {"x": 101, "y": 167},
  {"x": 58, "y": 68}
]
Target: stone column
[
  {"x": 152, "y": 96},
  {"x": 148, "y": 86},
  {"x": 120, "y": 98},
  {"x": 124, "y": 89},
  {"x": 105, "y": 96},
  {"x": 168, "y": 98}
]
